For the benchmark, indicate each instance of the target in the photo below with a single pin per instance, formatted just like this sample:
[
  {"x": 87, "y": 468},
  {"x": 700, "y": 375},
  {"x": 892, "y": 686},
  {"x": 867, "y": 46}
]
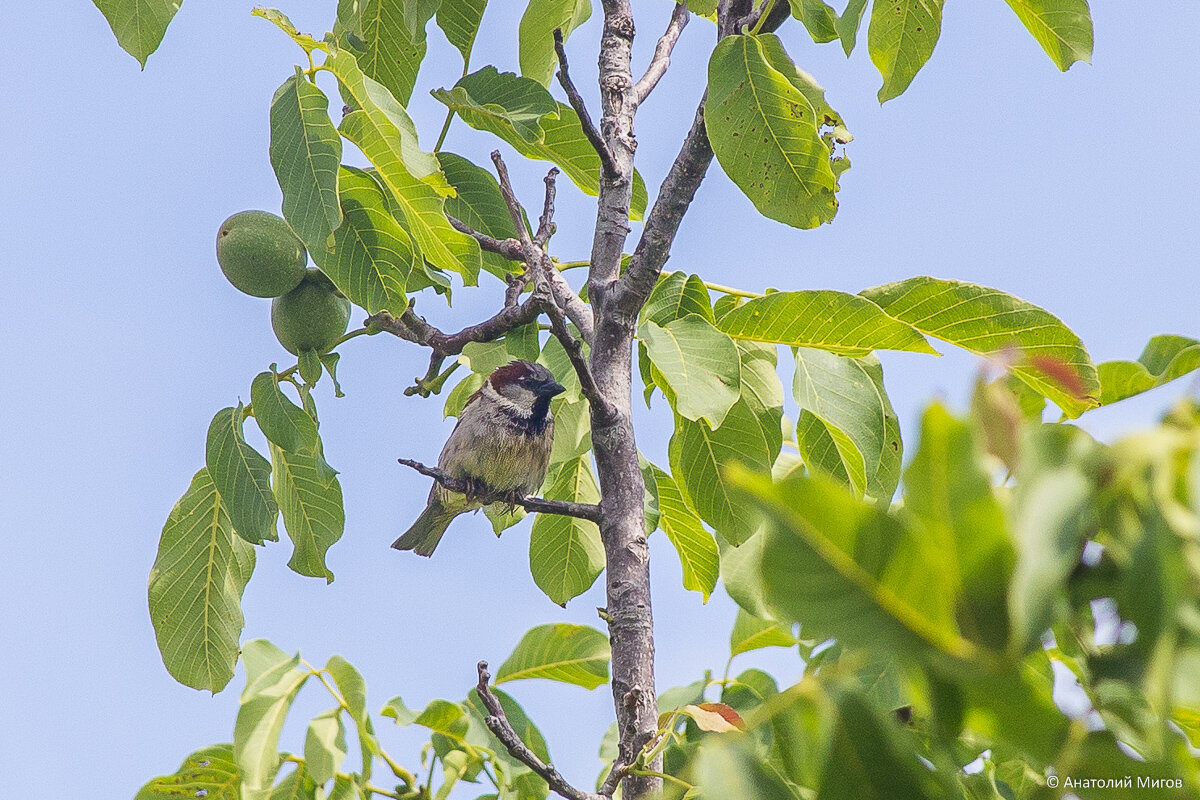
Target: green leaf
[
  {"x": 698, "y": 554},
  {"x": 1062, "y": 27},
  {"x": 741, "y": 574},
  {"x": 766, "y": 120},
  {"x": 440, "y": 716},
  {"x": 422, "y": 207},
  {"x": 826, "y": 449},
  {"x": 535, "y": 36},
  {"x": 264, "y": 663},
  {"x": 752, "y": 633},
  {"x": 763, "y": 392},
  {"x": 139, "y": 25},
  {"x": 676, "y": 295},
  {"x": 1051, "y": 358},
  {"x": 481, "y": 206},
  {"x": 828, "y": 320},
  {"x": 698, "y": 364},
  {"x": 305, "y": 152},
  {"x": 371, "y": 257},
  {"x": 353, "y": 688},
  {"x": 565, "y": 553},
  {"x": 325, "y": 745},
  {"x": 311, "y": 502},
  {"x": 572, "y": 430},
  {"x": 847, "y": 398},
  {"x": 345, "y": 788},
  {"x": 818, "y": 18},
  {"x": 561, "y": 652},
  {"x": 296, "y": 786},
  {"x": 485, "y": 357},
  {"x": 209, "y": 773},
  {"x": 283, "y": 422},
  {"x": 848, "y": 24},
  {"x": 949, "y": 496},
  {"x": 728, "y": 767},
  {"x": 564, "y": 144},
  {"x": 383, "y": 131},
  {"x": 281, "y": 21},
  {"x": 460, "y": 20},
  {"x": 461, "y": 393},
  {"x": 387, "y": 42},
  {"x": 699, "y": 457},
  {"x": 196, "y": 587},
  {"x": 869, "y": 757},
  {"x": 242, "y": 476},
  {"x": 270, "y": 689},
  {"x": 841, "y": 568},
  {"x": 760, "y": 381},
  {"x": 902, "y": 36},
  {"x": 492, "y": 99},
  {"x": 309, "y": 364},
  {"x": 1164, "y": 359},
  {"x": 555, "y": 359},
  {"x": 1053, "y": 510}
]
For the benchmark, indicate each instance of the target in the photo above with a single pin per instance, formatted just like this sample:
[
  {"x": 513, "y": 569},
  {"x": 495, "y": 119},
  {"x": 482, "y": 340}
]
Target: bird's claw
[{"x": 513, "y": 499}]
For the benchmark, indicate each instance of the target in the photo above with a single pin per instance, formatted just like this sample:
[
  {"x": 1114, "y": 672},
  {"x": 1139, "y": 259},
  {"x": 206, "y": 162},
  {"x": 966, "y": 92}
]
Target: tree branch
[
  {"x": 546, "y": 226},
  {"x": 662, "y": 223},
  {"x": 680, "y": 186},
  {"x": 614, "y": 445},
  {"x": 576, "y": 100},
  {"x": 731, "y": 15},
  {"x": 497, "y": 722},
  {"x": 509, "y": 248},
  {"x": 574, "y": 350},
  {"x": 539, "y": 505},
  {"x": 662, "y": 53},
  {"x": 628, "y": 748},
  {"x": 412, "y": 328},
  {"x": 548, "y": 280}
]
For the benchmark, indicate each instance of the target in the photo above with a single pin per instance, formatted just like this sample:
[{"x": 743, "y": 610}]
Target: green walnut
[
  {"x": 312, "y": 316},
  {"x": 259, "y": 254}
]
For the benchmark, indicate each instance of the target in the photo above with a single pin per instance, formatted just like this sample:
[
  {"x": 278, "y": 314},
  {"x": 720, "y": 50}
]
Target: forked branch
[
  {"x": 576, "y": 100},
  {"x": 497, "y": 722},
  {"x": 662, "y": 53}
]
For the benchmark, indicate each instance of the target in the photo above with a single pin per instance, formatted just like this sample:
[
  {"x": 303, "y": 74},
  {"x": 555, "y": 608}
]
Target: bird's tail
[{"x": 423, "y": 537}]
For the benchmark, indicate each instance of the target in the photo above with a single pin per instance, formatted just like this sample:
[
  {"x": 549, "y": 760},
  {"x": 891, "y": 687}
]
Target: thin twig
[
  {"x": 574, "y": 350},
  {"x": 764, "y": 18},
  {"x": 546, "y": 225},
  {"x": 509, "y": 248},
  {"x": 576, "y": 100},
  {"x": 546, "y": 280},
  {"x": 516, "y": 285},
  {"x": 588, "y": 511},
  {"x": 433, "y": 380},
  {"x": 413, "y": 328},
  {"x": 544, "y": 274},
  {"x": 662, "y": 53},
  {"x": 662, "y": 223},
  {"x": 497, "y": 722}
]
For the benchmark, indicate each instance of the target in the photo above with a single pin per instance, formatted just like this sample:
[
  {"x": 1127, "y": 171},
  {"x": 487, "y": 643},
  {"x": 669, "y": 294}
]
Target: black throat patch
[{"x": 535, "y": 423}]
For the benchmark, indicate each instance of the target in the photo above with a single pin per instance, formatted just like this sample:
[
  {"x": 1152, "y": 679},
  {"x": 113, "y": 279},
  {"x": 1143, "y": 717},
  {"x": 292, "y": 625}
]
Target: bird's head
[{"x": 524, "y": 383}]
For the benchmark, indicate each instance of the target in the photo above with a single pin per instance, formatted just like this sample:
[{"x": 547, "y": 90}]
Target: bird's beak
[{"x": 552, "y": 388}]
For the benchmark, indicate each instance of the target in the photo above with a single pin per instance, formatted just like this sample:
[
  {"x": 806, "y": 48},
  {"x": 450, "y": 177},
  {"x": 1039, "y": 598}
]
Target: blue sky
[{"x": 121, "y": 338}]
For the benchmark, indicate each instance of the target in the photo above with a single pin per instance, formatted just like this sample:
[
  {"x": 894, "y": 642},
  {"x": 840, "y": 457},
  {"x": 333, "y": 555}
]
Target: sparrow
[{"x": 501, "y": 444}]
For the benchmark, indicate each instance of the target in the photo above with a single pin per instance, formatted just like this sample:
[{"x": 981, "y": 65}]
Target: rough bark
[{"x": 622, "y": 527}]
